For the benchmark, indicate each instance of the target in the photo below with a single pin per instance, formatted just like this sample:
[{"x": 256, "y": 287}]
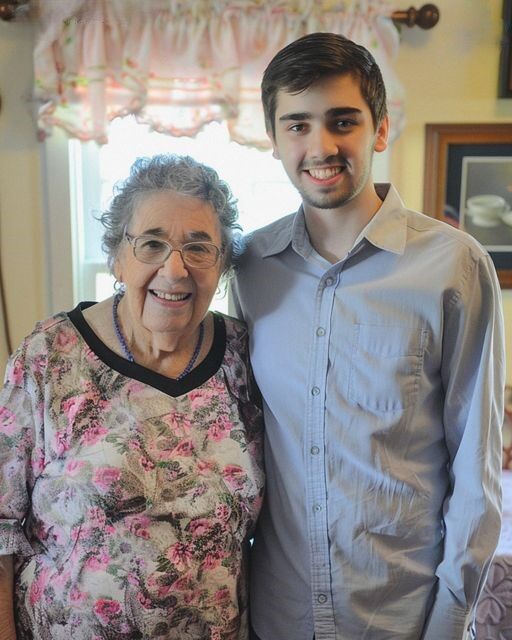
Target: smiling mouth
[
  {"x": 172, "y": 297},
  {"x": 324, "y": 174}
]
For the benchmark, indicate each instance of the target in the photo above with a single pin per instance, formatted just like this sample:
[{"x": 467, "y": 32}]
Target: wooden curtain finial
[
  {"x": 11, "y": 9},
  {"x": 425, "y": 18}
]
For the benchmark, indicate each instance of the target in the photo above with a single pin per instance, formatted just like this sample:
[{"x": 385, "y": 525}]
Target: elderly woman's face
[{"x": 169, "y": 296}]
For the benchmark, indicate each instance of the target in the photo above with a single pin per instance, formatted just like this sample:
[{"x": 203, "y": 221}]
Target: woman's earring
[{"x": 119, "y": 287}]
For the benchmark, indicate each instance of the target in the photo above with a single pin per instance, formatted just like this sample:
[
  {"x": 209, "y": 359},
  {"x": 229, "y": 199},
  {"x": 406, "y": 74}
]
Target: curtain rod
[{"x": 425, "y": 18}]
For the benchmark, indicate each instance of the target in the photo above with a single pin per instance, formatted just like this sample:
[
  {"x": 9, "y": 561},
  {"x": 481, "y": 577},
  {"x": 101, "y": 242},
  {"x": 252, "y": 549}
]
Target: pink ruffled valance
[{"x": 178, "y": 65}]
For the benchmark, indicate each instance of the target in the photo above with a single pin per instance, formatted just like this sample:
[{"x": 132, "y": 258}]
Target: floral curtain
[{"x": 178, "y": 65}]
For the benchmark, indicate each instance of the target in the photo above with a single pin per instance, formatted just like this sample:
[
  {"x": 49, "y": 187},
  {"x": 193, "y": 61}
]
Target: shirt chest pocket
[{"x": 386, "y": 366}]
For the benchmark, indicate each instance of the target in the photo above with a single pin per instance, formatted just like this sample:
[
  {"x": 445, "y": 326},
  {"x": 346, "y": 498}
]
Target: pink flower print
[
  {"x": 77, "y": 596},
  {"x": 211, "y": 561},
  {"x": 7, "y": 421},
  {"x": 146, "y": 463},
  {"x": 38, "y": 364},
  {"x": 65, "y": 341},
  {"x": 145, "y": 602},
  {"x": 137, "y": 526},
  {"x": 105, "y": 477},
  {"x": 74, "y": 467},
  {"x": 222, "y": 596},
  {"x": 62, "y": 440},
  {"x": 98, "y": 562},
  {"x": 223, "y": 512},
  {"x": 37, "y": 461},
  {"x": 185, "y": 448},
  {"x": 198, "y": 527},
  {"x": 93, "y": 434},
  {"x": 107, "y": 610},
  {"x": 134, "y": 387},
  {"x": 37, "y": 587},
  {"x": 15, "y": 375},
  {"x": 179, "y": 423},
  {"x": 96, "y": 517},
  {"x": 180, "y": 555},
  {"x": 200, "y": 398},
  {"x": 72, "y": 406},
  {"x": 220, "y": 429},
  {"x": 234, "y": 476},
  {"x": 182, "y": 584},
  {"x": 134, "y": 445},
  {"x": 218, "y": 385},
  {"x": 204, "y": 467}
]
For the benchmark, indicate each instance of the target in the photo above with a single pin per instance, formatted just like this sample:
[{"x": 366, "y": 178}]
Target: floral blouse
[{"x": 128, "y": 498}]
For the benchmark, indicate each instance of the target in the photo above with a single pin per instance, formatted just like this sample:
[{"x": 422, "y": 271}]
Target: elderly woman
[{"x": 130, "y": 435}]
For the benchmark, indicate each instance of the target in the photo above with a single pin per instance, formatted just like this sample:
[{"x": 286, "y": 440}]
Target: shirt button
[
  {"x": 320, "y": 332},
  {"x": 328, "y": 282},
  {"x": 315, "y": 450},
  {"x": 315, "y": 391},
  {"x": 322, "y": 598},
  {"x": 317, "y": 508}
]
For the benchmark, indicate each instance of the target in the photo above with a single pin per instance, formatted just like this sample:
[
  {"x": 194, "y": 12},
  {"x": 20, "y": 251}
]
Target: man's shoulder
[{"x": 444, "y": 232}]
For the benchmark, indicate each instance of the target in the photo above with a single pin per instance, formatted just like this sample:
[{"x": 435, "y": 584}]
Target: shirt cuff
[
  {"x": 448, "y": 620},
  {"x": 13, "y": 540}
]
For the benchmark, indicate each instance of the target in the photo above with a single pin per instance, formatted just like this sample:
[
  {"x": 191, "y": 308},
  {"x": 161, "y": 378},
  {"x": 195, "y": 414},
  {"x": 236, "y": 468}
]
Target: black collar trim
[{"x": 198, "y": 376}]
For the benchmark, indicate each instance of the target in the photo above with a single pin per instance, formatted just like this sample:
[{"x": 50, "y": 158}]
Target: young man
[{"x": 377, "y": 344}]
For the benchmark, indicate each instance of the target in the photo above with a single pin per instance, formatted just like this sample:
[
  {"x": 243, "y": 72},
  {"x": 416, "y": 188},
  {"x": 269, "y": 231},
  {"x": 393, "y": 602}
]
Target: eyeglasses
[{"x": 151, "y": 250}]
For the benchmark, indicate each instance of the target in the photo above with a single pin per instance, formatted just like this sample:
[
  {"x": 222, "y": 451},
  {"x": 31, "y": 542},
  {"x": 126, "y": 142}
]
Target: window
[{"x": 80, "y": 177}]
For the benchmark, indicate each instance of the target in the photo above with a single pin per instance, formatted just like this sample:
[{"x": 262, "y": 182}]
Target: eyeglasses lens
[{"x": 200, "y": 255}]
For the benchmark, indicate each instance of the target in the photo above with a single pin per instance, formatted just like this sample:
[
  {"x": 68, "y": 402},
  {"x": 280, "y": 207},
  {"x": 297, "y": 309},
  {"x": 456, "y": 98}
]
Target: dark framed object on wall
[
  {"x": 505, "y": 68},
  {"x": 468, "y": 183}
]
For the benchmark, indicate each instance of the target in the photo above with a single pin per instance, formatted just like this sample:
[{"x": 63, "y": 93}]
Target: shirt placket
[{"x": 314, "y": 455}]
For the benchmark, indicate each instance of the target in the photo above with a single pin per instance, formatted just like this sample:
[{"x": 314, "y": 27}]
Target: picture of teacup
[{"x": 487, "y": 210}]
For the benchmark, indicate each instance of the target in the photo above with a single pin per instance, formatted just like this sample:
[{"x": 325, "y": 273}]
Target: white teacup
[{"x": 486, "y": 209}]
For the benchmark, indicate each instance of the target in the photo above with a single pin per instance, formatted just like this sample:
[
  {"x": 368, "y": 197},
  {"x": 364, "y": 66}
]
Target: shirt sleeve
[
  {"x": 473, "y": 376},
  {"x": 20, "y": 459}
]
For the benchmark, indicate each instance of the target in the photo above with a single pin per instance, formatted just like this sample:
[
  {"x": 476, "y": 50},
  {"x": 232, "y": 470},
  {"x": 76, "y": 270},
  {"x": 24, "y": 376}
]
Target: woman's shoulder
[
  {"x": 45, "y": 330},
  {"x": 236, "y": 330}
]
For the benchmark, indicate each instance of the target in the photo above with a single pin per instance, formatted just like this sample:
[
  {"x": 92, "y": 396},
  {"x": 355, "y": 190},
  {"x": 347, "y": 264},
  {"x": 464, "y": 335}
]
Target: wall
[
  {"x": 21, "y": 230},
  {"x": 449, "y": 74}
]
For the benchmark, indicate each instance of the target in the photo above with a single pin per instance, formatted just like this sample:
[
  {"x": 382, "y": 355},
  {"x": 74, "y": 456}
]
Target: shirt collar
[{"x": 387, "y": 230}]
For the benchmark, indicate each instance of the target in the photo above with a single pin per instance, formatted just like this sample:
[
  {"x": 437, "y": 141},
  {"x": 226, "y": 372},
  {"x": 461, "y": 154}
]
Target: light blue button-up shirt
[{"x": 382, "y": 377}]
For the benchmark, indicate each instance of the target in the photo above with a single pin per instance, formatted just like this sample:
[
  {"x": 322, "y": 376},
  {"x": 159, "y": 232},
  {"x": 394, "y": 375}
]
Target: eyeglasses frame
[{"x": 132, "y": 240}]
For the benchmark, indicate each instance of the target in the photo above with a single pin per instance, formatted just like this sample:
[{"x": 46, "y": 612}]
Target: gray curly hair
[{"x": 171, "y": 172}]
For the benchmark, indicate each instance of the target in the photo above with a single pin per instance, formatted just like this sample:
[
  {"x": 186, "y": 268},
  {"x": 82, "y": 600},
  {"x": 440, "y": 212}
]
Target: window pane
[{"x": 257, "y": 180}]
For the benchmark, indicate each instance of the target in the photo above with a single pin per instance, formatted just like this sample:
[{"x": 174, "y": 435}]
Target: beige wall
[
  {"x": 20, "y": 185},
  {"x": 449, "y": 74}
]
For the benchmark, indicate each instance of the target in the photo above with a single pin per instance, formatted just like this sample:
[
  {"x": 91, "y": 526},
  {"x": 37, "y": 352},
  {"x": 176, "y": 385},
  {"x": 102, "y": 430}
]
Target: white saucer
[
  {"x": 484, "y": 222},
  {"x": 507, "y": 218}
]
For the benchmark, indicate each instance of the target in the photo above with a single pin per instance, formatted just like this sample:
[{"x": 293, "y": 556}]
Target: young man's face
[{"x": 325, "y": 139}]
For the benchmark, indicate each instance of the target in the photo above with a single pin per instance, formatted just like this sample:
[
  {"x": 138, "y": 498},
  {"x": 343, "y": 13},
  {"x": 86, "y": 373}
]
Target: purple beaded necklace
[{"x": 129, "y": 355}]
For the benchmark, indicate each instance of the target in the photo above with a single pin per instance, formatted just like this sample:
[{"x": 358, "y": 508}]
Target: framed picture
[
  {"x": 505, "y": 70},
  {"x": 468, "y": 183}
]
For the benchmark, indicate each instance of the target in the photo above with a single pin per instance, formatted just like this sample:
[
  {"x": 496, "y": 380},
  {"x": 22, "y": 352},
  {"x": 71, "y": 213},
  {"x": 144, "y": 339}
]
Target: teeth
[
  {"x": 324, "y": 174},
  {"x": 175, "y": 297}
]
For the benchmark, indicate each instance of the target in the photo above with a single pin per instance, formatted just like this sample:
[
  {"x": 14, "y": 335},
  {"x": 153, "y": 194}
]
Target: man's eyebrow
[{"x": 335, "y": 112}]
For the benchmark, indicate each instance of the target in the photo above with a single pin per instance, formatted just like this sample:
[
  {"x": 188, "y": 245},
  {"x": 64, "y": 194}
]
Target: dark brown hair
[{"x": 317, "y": 56}]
